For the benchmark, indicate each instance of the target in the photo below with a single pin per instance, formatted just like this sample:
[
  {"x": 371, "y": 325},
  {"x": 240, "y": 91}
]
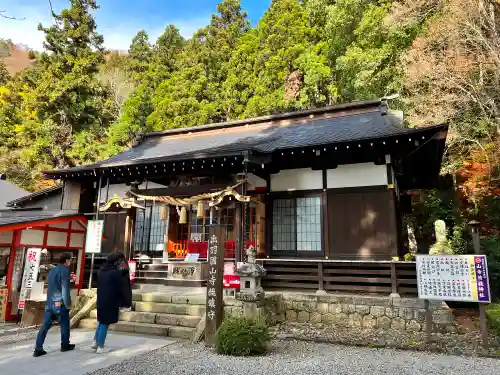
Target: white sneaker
[
  {"x": 103, "y": 350},
  {"x": 94, "y": 345}
]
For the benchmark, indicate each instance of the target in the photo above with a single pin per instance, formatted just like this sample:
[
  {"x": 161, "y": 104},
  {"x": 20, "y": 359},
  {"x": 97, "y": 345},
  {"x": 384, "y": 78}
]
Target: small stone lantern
[{"x": 250, "y": 275}]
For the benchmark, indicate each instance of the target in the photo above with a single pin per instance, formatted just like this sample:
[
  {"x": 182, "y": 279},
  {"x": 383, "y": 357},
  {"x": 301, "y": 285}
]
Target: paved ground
[
  {"x": 16, "y": 359},
  {"x": 293, "y": 358}
]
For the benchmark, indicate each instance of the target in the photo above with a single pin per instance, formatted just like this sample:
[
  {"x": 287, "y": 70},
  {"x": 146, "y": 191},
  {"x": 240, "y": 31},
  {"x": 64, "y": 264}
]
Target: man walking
[{"x": 57, "y": 306}]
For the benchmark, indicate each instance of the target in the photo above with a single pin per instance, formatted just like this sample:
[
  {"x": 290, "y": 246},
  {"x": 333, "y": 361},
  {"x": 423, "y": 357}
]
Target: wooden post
[
  {"x": 320, "y": 277},
  {"x": 428, "y": 321},
  {"x": 96, "y": 217},
  {"x": 215, "y": 301},
  {"x": 239, "y": 243},
  {"x": 482, "y": 310},
  {"x": 394, "y": 281}
]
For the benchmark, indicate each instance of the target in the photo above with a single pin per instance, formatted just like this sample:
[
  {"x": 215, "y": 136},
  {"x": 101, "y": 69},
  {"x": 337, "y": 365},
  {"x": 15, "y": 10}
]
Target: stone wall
[
  {"x": 364, "y": 320},
  {"x": 402, "y": 314}
]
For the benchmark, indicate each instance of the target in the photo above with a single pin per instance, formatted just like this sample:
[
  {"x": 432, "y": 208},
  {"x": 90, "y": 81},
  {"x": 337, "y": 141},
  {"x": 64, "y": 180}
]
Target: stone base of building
[{"x": 363, "y": 320}]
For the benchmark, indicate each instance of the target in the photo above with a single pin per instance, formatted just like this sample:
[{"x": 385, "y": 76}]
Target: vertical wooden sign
[{"x": 215, "y": 300}]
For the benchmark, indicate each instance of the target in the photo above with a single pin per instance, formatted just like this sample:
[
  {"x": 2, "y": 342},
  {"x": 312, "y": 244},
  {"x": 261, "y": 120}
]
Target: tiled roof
[
  {"x": 347, "y": 123},
  {"x": 29, "y": 197},
  {"x": 10, "y": 217},
  {"x": 9, "y": 192}
]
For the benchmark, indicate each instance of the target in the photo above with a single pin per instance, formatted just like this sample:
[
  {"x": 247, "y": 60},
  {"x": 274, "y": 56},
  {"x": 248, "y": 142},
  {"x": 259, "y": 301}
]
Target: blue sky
[{"x": 119, "y": 20}]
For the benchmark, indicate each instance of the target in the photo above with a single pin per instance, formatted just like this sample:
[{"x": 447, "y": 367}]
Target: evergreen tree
[
  {"x": 71, "y": 103},
  {"x": 4, "y": 74},
  {"x": 139, "y": 55},
  {"x": 194, "y": 93},
  {"x": 138, "y": 107}
]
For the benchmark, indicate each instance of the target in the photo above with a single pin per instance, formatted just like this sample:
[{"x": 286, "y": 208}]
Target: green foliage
[
  {"x": 55, "y": 114},
  {"x": 4, "y": 74},
  {"x": 491, "y": 247},
  {"x": 493, "y": 315},
  {"x": 409, "y": 257},
  {"x": 240, "y": 336},
  {"x": 139, "y": 55}
]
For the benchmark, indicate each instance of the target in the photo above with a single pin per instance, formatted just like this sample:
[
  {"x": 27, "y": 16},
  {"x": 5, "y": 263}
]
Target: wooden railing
[{"x": 379, "y": 277}]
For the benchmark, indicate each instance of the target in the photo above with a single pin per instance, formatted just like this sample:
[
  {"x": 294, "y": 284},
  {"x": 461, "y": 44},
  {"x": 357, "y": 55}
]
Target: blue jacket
[{"x": 59, "y": 287}]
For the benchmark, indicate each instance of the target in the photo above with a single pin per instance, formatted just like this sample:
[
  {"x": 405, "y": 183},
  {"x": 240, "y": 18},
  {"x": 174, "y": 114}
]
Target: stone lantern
[{"x": 251, "y": 292}]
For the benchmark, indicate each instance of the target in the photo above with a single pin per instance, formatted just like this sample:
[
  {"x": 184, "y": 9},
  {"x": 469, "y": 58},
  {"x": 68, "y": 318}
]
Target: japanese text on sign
[
  {"x": 211, "y": 292},
  {"x": 30, "y": 275},
  {"x": 453, "y": 278},
  {"x": 94, "y": 236}
]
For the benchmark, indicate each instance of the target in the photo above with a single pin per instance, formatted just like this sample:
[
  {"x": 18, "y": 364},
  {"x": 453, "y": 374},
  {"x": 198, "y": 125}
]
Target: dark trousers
[{"x": 51, "y": 314}]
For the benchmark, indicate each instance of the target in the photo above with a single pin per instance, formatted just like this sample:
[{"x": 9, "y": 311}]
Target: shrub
[
  {"x": 409, "y": 257},
  {"x": 491, "y": 247},
  {"x": 240, "y": 336},
  {"x": 493, "y": 315}
]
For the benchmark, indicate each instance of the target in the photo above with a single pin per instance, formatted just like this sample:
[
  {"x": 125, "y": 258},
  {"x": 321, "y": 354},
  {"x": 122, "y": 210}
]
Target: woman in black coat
[
  {"x": 109, "y": 299},
  {"x": 127, "y": 287}
]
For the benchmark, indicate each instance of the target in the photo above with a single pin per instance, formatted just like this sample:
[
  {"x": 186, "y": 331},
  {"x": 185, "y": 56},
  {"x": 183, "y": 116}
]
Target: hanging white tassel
[
  {"x": 200, "y": 209},
  {"x": 183, "y": 216}
]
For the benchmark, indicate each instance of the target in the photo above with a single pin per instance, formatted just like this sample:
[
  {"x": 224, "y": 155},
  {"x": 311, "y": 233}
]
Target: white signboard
[
  {"x": 30, "y": 275},
  {"x": 453, "y": 278},
  {"x": 93, "y": 240},
  {"x": 191, "y": 257}
]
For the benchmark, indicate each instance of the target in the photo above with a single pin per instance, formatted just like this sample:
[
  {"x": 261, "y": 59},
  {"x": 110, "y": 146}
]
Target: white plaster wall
[
  {"x": 256, "y": 181},
  {"x": 32, "y": 237},
  {"x": 60, "y": 225},
  {"x": 297, "y": 179},
  {"x": 57, "y": 239},
  {"x": 76, "y": 240},
  {"x": 6, "y": 237},
  {"x": 354, "y": 175}
]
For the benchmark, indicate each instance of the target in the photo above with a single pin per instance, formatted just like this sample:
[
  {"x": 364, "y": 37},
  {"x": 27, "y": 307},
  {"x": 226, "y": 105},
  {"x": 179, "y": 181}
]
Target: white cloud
[{"x": 24, "y": 31}]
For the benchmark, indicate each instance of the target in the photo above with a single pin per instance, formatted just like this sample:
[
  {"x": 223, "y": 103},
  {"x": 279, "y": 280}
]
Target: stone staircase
[
  {"x": 158, "y": 314},
  {"x": 156, "y": 273}
]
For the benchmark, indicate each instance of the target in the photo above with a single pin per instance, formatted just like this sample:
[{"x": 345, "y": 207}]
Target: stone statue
[
  {"x": 251, "y": 255},
  {"x": 412, "y": 241},
  {"x": 442, "y": 245}
]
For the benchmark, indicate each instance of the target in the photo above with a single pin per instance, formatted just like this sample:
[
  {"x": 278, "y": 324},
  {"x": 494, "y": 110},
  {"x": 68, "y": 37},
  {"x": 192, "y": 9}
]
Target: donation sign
[
  {"x": 30, "y": 275},
  {"x": 93, "y": 240},
  {"x": 453, "y": 278}
]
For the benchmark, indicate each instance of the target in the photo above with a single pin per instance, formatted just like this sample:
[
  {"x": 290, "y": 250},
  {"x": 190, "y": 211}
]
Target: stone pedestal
[
  {"x": 185, "y": 271},
  {"x": 251, "y": 292}
]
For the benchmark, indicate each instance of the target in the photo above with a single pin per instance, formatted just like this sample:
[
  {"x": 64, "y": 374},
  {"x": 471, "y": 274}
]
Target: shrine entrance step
[
  {"x": 173, "y": 312},
  {"x": 157, "y": 273}
]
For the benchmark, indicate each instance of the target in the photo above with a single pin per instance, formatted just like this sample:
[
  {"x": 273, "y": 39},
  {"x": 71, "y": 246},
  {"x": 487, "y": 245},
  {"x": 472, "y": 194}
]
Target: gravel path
[{"x": 293, "y": 357}]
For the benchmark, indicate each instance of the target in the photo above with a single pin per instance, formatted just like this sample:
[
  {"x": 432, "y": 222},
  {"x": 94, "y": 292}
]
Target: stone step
[
  {"x": 188, "y": 296},
  {"x": 154, "y": 318},
  {"x": 169, "y": 282},
  {"x": 154, "y": 267},
  {"x": 160, "y": 274},
  {"x": 143, "y": 328},
  {"x": 169, "y": 308}
]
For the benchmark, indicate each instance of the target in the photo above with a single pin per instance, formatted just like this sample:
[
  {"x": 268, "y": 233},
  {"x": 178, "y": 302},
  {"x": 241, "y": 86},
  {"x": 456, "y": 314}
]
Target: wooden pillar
[
  {"x": 482, "y": 310},
  {"x": 129, "y": 232},
  {"x": 239, "y": 231},
  {"x": 214, "y": 302},
  {"x": 394, "y": 281},
  {"x": 325, "y": 217}
]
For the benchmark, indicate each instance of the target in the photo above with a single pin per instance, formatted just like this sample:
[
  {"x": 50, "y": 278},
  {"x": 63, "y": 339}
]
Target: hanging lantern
[
  {"x": 200, "y": 209},
  {"x": 183, "y": 216},
  {"x": 163, "y": 213}
]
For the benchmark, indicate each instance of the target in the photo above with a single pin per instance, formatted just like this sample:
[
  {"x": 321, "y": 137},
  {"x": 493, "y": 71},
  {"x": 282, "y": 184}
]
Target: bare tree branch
[{"x": 3, "y": 15}]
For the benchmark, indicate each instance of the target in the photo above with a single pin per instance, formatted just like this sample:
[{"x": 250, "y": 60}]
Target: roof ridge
[
  {"x": 34, "y": 195},
  {"x": 260, "y": 119}
]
